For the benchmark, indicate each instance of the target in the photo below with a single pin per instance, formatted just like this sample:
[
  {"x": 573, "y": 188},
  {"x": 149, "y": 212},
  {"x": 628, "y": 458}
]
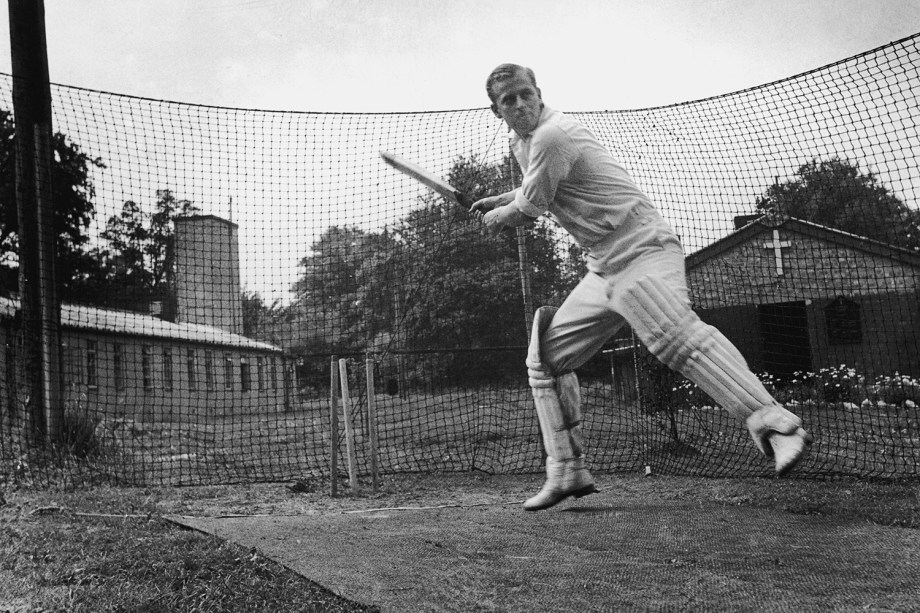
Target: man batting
[{"x": 635, "y": 276}]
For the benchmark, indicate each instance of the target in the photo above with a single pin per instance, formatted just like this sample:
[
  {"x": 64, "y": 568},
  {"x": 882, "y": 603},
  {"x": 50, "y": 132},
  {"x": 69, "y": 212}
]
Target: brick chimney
[
  {"x": 743, "y": 220},
  {"x": 207, "y": 273}
]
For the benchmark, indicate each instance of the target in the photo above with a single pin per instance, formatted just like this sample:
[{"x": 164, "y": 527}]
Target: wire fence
[{"x": 216, "y": 263}]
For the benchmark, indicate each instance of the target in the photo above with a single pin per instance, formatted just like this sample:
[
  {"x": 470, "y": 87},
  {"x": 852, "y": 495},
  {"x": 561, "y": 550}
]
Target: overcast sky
[{"x": 412, "y": 55}]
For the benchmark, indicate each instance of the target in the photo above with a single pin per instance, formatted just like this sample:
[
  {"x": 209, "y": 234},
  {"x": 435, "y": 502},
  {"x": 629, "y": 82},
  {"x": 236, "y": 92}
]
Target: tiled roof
[
  {"x": 807, "y": 228},
  {"x": 130, "y": 323}
]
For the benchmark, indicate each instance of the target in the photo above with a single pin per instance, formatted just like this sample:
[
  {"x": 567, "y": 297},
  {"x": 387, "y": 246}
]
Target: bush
[
  {"x": 829, "y": 385},
  {"x": 839, "y": 384},
  {"x": 78, "y": 435},
  {"x": 894, "y": 389}
]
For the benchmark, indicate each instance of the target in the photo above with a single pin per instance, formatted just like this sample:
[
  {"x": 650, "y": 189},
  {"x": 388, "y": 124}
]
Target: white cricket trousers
[{"x": 637, "y": 276}]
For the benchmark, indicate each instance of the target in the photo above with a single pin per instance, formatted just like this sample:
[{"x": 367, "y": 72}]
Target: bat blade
[{"x": 426, "y": 178}]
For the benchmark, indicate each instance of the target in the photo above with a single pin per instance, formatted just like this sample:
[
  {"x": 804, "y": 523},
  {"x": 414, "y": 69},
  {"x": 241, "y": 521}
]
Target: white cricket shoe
[
  {"x": 778, "y": 433},
  {"x": 564, "y": 478}
]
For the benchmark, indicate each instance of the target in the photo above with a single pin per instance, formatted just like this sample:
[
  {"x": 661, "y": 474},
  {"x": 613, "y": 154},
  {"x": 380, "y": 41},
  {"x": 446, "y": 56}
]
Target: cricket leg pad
[
  {"x": 778, "y": 433},
  {"x": 676, "y": 335},
  {"x": 558, "y": 403},
  {"x": 569, "y": 392},
  {"x": 564, "y": 479},
  {"x": 541, "y": 320},
  {"x": 557, "y": 398},
  {"x": 559, "y": 413}
]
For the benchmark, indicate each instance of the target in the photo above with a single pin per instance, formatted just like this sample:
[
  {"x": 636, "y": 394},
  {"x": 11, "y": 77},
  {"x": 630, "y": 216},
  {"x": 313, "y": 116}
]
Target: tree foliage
[
  {"x": 432, "y": 281},
  {"x": 329, "y": 294},
  {"x": 837, "y": 194},
  {"x": 73, "y": 193},
  {"x": 262, "y": 320},
  {"x": 136, "y": 263}
]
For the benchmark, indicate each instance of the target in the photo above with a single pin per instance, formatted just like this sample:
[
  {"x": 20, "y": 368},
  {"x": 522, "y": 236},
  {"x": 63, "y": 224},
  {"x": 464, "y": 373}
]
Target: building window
[
  {"x": 260, "y": 372},
  {"x": 844, "y": 322},
  {"x": 273, "y": 374},
  {"x": 118, "y": 365},
  {"x": 228, "y": 371},
  {"x": 245, "y": 377},
  {"x": 167, "y": 368},
  {"x": 92, "y": 379},
  {"x": 146, "y": 368},
  {"x": 192, "y": 369},
  {"x": 209, "y": 369}
]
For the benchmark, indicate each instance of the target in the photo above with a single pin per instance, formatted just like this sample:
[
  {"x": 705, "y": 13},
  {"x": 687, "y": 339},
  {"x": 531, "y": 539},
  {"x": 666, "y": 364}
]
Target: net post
[
  {"x": 524, "y": 273},
  {"x": 372, "y": 418},
  {"x": 349, "y": 428},
  {"x": 333, "y": 425},
  {"x": 39, "y": 304},
  {"x": 514, "y": 175}
]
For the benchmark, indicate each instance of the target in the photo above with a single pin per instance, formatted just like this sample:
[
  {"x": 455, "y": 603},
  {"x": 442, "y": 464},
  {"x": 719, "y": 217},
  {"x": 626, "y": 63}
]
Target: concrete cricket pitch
[{"x": 658, "y": 544}]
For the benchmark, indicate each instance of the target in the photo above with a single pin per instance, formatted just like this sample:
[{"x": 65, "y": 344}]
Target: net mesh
[{"x": 217, "y": 264}]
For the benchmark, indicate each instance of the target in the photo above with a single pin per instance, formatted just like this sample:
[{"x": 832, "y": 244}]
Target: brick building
[
  {"x": 185, "y": 360},
  {"x": 796, "y": 296}
]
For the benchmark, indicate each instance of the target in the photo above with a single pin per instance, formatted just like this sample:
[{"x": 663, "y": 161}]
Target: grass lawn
[{"x": 110, "y": 550}]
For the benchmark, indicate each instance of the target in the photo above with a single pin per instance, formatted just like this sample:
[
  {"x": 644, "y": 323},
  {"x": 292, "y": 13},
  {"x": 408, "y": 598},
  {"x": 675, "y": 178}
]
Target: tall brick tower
[{"x": 207, "y": 273}]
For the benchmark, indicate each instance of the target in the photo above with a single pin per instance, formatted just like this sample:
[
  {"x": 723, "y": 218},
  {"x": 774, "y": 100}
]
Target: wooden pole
[
  {"x": 372, "y": 418},
  {"x": 400, "y": 336},
  {"x": 40, "y": 311},
  {"x": 334, "y": 425},
  {"x": 524, "y": 272},
  {"x": 349, "y": 427},
  {"x": 523, "y": 256}
]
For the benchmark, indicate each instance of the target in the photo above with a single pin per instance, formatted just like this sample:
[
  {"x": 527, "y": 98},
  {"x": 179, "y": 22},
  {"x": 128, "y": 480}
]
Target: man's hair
[{"x": 504, "y": 72}]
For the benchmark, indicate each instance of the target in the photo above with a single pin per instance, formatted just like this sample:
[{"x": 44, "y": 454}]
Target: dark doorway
[{"x": 784, "y": 331}]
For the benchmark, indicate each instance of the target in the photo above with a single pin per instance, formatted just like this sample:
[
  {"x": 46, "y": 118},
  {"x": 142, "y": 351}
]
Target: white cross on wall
[{"x": 777, "y": 246}]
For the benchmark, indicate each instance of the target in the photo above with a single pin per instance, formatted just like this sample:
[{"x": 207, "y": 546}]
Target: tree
[
  {"x": 335, "y": 283},
  {"x": 434, "y": 280},
  {"x": 260, "y": 321},
  {"x": 835, "y": 193},
  {"x": 556, "y": 263},
  {"x": 127, "y": 237},
  {"x": 73, "y": 194},
  {"x": 137, "y": 261},
  {"x": 158, "y": 250}
]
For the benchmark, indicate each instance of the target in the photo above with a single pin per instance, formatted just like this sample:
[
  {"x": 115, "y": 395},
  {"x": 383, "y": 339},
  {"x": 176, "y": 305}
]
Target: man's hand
[
  {"x": 490, "y": 203},
  {"x": 507, "y": 216},
  {"x": 498, "y": 212},
  {"x": 494, "y": 220}
]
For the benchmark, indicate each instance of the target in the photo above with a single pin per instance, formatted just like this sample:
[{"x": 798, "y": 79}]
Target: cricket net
[{"x": 218, "y": 265}]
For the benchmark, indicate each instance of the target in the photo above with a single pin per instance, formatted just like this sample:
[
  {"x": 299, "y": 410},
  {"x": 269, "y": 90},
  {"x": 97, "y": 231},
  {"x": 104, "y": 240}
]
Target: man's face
[{"x": 519, "y": 103}]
